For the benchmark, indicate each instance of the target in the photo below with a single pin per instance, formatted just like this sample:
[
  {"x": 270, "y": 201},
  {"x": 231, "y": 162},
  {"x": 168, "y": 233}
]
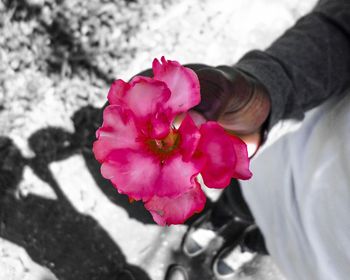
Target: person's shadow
[{"x": 54, "y": 234}]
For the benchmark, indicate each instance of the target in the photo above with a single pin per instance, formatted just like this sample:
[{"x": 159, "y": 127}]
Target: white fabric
[{"x": 300, "y": 194}]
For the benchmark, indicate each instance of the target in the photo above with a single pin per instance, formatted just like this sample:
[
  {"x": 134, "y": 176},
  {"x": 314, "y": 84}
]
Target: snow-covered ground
[{"x": 57, "y": 58}]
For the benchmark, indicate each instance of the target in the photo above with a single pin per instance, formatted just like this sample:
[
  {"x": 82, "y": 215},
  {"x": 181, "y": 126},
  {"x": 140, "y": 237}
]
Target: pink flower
[{"x": 148, "y": 159}]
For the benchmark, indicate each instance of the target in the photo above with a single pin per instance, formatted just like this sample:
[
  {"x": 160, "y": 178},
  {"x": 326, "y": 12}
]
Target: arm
[{"x": 308, "y": 64}]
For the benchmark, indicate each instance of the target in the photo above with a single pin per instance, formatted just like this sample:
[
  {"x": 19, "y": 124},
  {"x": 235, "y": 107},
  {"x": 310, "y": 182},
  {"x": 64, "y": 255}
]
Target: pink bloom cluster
[{"x": 148, "y": 159}]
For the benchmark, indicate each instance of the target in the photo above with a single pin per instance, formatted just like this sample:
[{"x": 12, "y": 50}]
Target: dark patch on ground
[{"x": 54, "y": 234}]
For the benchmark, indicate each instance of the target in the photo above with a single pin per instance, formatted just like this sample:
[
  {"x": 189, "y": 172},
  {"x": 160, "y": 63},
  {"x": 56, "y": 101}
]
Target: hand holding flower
[{"x": 147, "y": 158}]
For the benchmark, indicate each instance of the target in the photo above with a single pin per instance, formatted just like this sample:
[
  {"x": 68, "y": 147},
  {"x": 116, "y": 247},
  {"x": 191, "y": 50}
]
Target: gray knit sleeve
[{"x": 306, "y": 65}]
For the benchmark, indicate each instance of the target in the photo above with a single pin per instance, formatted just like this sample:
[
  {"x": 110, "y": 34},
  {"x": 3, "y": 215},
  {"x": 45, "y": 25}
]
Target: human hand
[{"x": 237, "y": 101}]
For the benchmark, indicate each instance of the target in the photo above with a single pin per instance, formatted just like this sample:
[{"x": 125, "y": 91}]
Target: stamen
[{"x": 166, "y": 145}]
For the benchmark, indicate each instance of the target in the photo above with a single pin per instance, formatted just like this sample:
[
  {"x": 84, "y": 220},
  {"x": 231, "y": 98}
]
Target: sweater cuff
[{"x": 271, "y": 74}]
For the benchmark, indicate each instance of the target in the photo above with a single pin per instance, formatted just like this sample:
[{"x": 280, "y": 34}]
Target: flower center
[{"x": 165, "y": 146}]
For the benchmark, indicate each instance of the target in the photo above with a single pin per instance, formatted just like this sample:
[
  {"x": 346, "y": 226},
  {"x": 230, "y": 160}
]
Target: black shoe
[
  {"x": 176, "y": 272},
  {"x": 203, "y": 240},
  {"x": 191, "y": 244},
  {"x": 231, "y": 259},
  {"x": 219, "y": 228},
  {"x": 204, "y": 236},
  {"x": 226, "y": 220}
]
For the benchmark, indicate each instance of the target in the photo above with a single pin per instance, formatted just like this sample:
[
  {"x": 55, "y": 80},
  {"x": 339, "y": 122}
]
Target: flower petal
[
  {"x": 146, "y": 98},
  {"x": 182, "y": 82},
  {"x": 190, "y": 136},
  {"x": 166, "y": 211},
  {"x": 142, "y": 95},
  {"x": 241, "y": 169},
  {"x": 134, "y": 173},
  {"x": 118, "y": 89},
  {"x": 177, "y": 176},
  {"x": 117, "y": 131},
  {"x": 159, "y": 124},
  {"x": 216, "y": 146}
]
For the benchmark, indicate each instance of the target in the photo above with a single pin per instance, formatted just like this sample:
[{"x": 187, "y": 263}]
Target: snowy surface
[{"x": 56, "y": 59}]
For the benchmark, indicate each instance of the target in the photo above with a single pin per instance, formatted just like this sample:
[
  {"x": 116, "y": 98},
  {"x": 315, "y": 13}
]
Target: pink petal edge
[
  {"x": 216, "y": 147},
  {"x": 177, "y": 176},
  {"x": 118, "y": 131},
  {"x": 117, "y": 89},
  {"x": 143, "y": 96},
  {"x": 189, "y": 135},
  {"x": 147, "y": 99},
  {"x": 241, "y": 169},
  {"x": 182, "y": 82},
  {"x": 167, "y": 211},
  {"x": 132, "y": 172}
]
